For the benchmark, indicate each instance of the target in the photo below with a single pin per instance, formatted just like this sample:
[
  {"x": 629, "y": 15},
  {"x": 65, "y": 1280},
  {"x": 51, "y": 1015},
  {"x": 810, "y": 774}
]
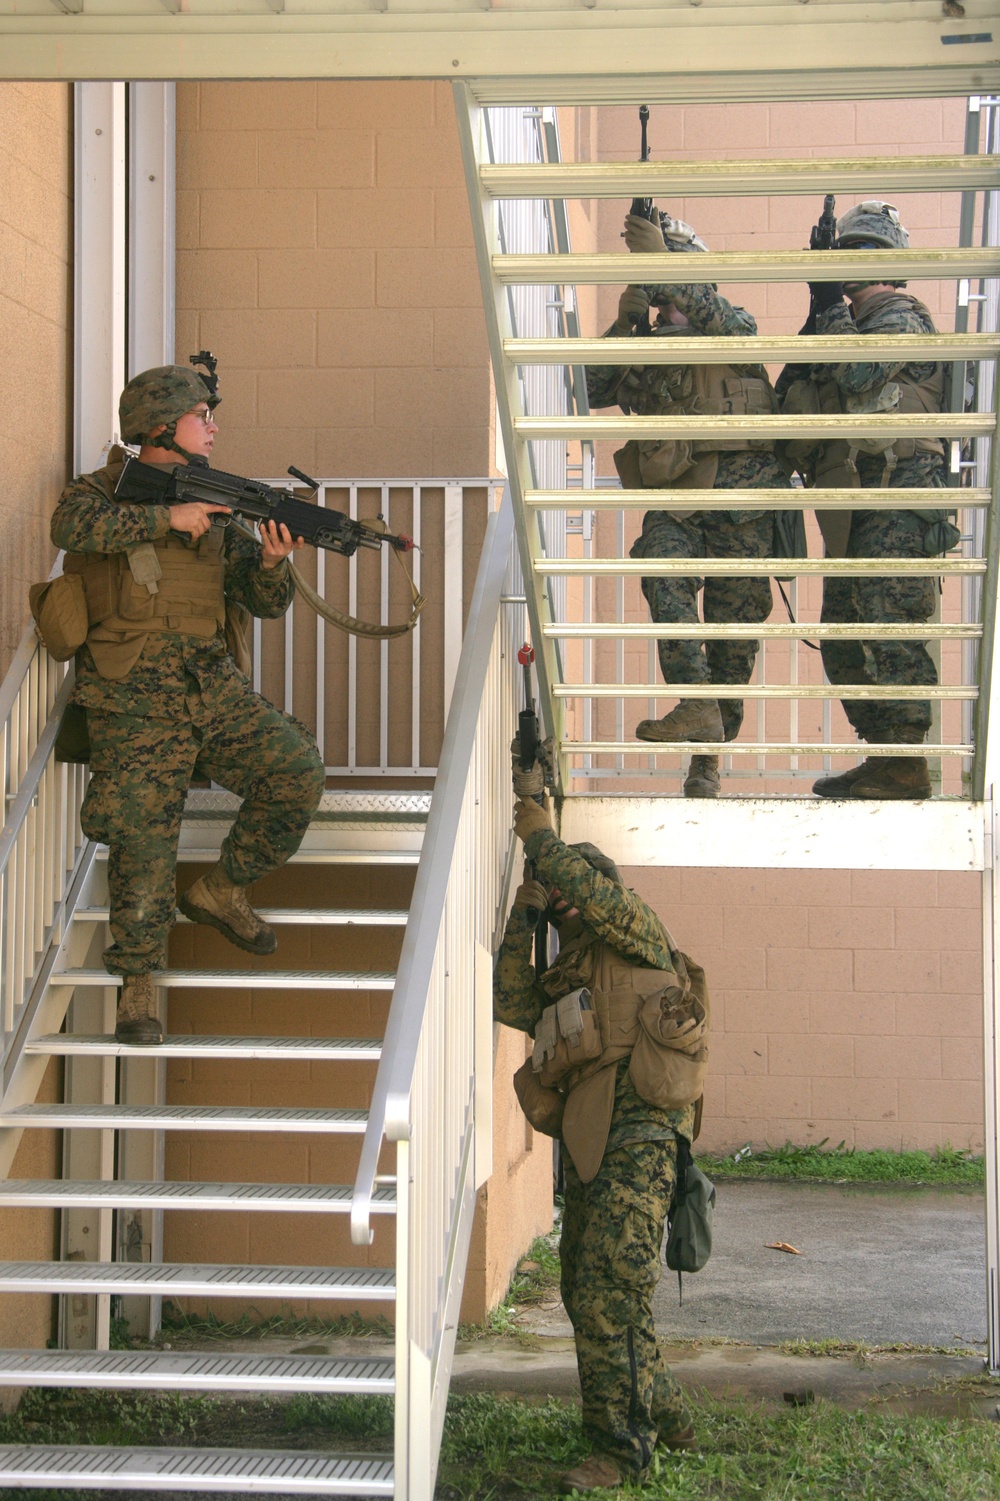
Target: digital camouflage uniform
[
  {"x": 889, "y": 599},
  {"x": 183, "y": 710},
  {"x": 613, "y": 1226},
  {"x": 652, "y": 390}
]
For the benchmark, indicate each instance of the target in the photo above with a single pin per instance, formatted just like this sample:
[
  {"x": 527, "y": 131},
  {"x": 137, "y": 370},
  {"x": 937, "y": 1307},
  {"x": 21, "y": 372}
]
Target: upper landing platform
[{"x": 799, "y": 833}]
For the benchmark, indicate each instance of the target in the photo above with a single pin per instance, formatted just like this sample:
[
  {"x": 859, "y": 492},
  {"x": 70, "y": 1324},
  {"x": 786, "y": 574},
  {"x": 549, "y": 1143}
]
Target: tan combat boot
[
  {"x": 841, "y": 783},
  {"x": 893, "y": 778},
  {"x": 693, "y": 719},
  {"x": 136, "y": 1020},
  {"x": 702, "y": 779},
  {"x": 596, "y": 1473},
  {"x": 213, "y": 899}
]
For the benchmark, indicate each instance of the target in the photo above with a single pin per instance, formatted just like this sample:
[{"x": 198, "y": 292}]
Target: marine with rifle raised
[
  {"x": 165, "y": 597},
  {"x": 693, "y": 309},
  {"x": 872, "y": 386}
]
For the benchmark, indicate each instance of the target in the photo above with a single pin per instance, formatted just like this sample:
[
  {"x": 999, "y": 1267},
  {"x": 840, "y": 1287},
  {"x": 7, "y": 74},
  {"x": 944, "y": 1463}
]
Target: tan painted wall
[
  {"x": 35, "y": 314},
  {"x": 325, "y": 255},
  {"x": 845, "y": 1004},
  {"x": 35, "y": 321}
]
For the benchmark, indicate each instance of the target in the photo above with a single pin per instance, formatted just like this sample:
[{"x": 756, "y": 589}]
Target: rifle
[
  {"x": 644, "y": 208},
  {"x": 173, "y": 484},
  {"x": 824, "y": 231},
  {"x": 527, "y": 735}
]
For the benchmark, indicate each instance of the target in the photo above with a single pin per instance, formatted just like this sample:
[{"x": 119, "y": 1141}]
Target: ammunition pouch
[{"x": 566, "y": 1038}]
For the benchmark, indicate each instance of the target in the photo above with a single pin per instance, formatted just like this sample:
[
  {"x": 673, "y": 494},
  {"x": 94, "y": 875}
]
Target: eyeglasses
[{"x": 204, "y": 414}]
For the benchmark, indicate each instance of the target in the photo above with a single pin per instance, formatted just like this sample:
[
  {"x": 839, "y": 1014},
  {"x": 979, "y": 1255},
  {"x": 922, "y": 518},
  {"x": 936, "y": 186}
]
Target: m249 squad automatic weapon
[{"x": 175, "y": 484}]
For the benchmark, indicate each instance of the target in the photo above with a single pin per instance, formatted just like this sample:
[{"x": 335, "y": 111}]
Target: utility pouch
[
  {"x": 73, "y": 737},
  {"x": 789, "y": 538},
  {"x": 543, "y": 1107},
  {"x": 689, "y": 1236},
  {"x": 59, "y": 609},
  {"x": 566, "y": 1037},
  {"x": 662, "y": 461},
  {"x": 669, "y": 1061},
  {"x": 627, "y": 463},
  {"x": 237, "y": 631}
]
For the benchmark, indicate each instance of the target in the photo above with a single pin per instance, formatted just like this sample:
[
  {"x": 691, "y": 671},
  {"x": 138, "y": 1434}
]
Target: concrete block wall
[
  {"x": 846, "y": 1005},
  {"x": 325, "y": 254},
  {"x": 36, "y": 166},
  {"x": 35, "y": 369}
]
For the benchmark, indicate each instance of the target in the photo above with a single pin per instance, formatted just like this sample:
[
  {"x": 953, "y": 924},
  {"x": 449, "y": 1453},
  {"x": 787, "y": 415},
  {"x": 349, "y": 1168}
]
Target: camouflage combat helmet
[
  {"x": 875, "y": 221},
  {"x": 679, "y": 236},
  {"x": 161, "y": 395}
]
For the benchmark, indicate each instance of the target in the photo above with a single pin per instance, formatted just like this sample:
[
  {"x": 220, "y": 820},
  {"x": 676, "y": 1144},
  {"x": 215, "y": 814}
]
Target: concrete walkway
[{"x": 880, "y": 1266}]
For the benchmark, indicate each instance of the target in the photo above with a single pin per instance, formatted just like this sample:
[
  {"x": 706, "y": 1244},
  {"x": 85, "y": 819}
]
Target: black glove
[{"x": 825, "y": 294}]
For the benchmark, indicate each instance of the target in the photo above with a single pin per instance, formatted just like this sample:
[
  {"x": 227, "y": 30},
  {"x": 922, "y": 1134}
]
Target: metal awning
[{"x": 559, "y": 51}]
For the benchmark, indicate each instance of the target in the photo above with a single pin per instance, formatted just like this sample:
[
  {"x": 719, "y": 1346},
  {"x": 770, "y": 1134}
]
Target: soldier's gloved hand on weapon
[
  {"x": 633, "y": 309},
  {"x": 533, "y": 781},
  {"x": 529, "y": 818},
  {"x": 532, "y": 898},
  {"x": 643, "y": 237},
  {"x": 825, "y": 294}
]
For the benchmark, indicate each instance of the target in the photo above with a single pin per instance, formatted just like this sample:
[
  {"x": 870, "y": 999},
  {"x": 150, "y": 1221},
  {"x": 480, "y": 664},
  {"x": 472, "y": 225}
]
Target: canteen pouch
[
  {"x": 543, "y": 1107},
  {"x": 59, "y": 609}
]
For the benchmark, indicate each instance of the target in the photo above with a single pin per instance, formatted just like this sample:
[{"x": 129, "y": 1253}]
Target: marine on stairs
[{"x": 261, "y": 1124}]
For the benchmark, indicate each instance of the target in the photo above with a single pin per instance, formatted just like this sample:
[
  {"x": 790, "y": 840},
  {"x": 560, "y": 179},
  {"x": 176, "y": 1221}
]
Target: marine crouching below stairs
[{"x": 620, "y": 1022}]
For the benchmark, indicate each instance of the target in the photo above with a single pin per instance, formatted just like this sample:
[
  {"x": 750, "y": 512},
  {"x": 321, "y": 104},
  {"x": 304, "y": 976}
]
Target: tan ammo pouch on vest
[
  {"x": 543, "y": 1107},
  {"x": 566, "y": 1037},
  {"x": 670, "y": 1058},
  {"x": 157, "y": 586},
  {"x": 59, "y": 609}
]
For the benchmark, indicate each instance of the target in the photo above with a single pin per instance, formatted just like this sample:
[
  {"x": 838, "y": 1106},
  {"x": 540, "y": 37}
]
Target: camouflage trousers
[
  {"x": 142, "y": 768},
  {"x": 889, "y": 599},
  {"x": 708, "y": 534},
  {"x": 610, "y": 1251}
]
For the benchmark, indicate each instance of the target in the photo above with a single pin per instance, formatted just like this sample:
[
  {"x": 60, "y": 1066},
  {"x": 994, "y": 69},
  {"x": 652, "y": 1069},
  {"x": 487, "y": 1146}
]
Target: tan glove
[
  {"x": 529, "y": 818},
  {"x": 633, "y": 305},
  {"x": 642, "y": 237},
  {"x": 531, "y": 896}
]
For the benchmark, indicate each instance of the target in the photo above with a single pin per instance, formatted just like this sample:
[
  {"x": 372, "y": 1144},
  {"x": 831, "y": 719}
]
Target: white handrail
[
  {"x": 40, "y": 836},
  {"x": 433, "y": 1089}
]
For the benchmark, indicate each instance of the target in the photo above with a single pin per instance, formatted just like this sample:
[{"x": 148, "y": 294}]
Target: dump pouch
[
  {"x": 543, "y": 1107},
  {"x": 59, "y": 610},
  {"x": 689, "y": 1236}
]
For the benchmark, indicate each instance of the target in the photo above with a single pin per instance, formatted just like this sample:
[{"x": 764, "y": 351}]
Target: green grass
[
  {"x": 180, "y": 1328},
  {"x": 504, "y": 1450},
  {"x": 945, "y": 1168}
]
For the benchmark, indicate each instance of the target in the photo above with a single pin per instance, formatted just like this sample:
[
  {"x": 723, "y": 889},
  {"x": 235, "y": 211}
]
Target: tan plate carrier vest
[
  {"x": 657, "y": 1018},
  {"x": 165, "y": 585},
  {"x": 834, "y": 465},
  {"x": 693, "y": 464}
]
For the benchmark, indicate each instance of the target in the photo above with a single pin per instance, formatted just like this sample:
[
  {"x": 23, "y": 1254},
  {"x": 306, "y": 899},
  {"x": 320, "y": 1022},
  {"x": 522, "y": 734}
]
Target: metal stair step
[
  {"x": 78, "y": 1193},
  {"x": 333, "y": 1049},
  {"x": 187, "y": 1118},
  {"x": 320, "y": 916},
  {"x": 183, "y": 1280},
  {"x": 196, "y": 1371},
  {"x": 161, "y": 1469},
  {"x": 207, "y": 855},
  {"x": 241, "y": 979}
]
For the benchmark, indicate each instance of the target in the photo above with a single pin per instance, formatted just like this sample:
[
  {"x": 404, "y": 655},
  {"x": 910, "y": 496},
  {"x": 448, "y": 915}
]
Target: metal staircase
[{"x": 123, "y": 1107}]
